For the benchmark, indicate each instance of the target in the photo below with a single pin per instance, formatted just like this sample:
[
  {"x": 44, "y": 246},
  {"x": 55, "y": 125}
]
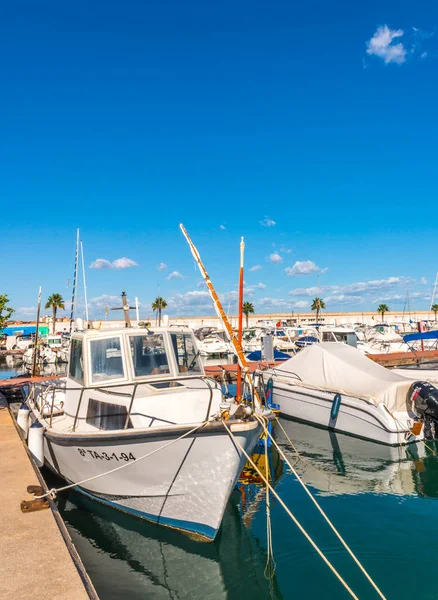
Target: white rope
[
  {"x": 308, "y": 492},
  {"x": 270, "y": 566},
  {"x": 54, "y": 491},
  {"x": 300, "y": 527}
]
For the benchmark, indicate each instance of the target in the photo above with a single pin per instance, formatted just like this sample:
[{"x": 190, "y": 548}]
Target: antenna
[
  {"x": 73, "y": 295},
  {"x": 85, "y": 284}
]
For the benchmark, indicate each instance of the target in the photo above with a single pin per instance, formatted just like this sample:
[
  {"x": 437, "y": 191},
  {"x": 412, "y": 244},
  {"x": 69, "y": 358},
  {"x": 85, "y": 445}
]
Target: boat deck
[{"x": 37, "y": 558}]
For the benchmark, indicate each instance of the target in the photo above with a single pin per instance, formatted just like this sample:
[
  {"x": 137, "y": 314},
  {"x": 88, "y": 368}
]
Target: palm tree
[
  {"x": 157, "y": 305},
  {"x": 54, "y": 302},
  {"x": 434, "y": 308},
  {"x": 247, "y": 308},
  {"x": 318, "y": 305},
  {"x": 383, "y": 308}
]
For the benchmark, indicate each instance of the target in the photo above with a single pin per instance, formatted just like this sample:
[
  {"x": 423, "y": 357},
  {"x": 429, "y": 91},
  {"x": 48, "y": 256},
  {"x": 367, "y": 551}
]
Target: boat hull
[
  {"x": 354, "y": 417},
  {"x": 185, "y": 485}
]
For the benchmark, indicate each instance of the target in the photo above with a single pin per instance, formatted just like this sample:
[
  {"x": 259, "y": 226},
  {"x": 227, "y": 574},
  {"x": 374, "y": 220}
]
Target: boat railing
[{"x": 51, "y": 388}]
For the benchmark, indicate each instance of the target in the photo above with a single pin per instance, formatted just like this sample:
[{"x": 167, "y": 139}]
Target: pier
[{"x": 37, "y": 557}]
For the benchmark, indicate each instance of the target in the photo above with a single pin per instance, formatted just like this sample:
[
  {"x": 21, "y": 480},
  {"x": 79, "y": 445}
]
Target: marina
[{"x": 219, "y": 301}]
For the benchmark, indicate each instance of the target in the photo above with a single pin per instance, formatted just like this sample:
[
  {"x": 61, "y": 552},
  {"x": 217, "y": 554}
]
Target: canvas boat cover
[{"x": 341, "y": 368}]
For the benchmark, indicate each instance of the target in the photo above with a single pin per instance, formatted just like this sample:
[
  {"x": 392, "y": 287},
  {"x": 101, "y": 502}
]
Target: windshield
[
  {"x": 186, "y": 353},
  {"x": 148, "y": 355},
  {"x": 106, "y": 360},
  {"x": 76, "y": 367}
]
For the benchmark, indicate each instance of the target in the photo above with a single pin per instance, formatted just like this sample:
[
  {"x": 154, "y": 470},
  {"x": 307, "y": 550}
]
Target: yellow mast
[{"x": 217, "y": 304}]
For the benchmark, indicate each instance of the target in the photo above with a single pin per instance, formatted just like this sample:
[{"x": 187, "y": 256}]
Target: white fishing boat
[
  {"x": 138, "y": 427},
  {"x": 336, "y": 386}
]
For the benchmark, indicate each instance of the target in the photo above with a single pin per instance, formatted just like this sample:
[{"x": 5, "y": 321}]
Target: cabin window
[
  {"x": 104, "y": 415},
  {"x": 106, "y": 360},
  {"x": 76, "y": 368},
  {"x": 149, "y": 355},
  {"x": 327, "y": 336},
  {"x": 186, "y": 353}
]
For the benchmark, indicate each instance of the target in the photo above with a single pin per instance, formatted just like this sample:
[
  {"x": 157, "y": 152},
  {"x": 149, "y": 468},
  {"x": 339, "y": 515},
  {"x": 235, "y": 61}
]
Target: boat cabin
[
  {"x": 53, "y": 341},
  {"x": 131, "y": 378},
  {"x": 130, "y": 355}
]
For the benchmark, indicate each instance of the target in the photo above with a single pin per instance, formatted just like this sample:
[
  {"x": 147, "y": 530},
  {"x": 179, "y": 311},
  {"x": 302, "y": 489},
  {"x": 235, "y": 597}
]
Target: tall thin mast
[
  {"x": 239, "y": 330},
  {"x": 85, "y": 284},
  {"x": 73, "y": 295},
  {"x": 434, "y": 292},
  {"x": 217, "y": 304},
  {"x": 35, "y": 348}
]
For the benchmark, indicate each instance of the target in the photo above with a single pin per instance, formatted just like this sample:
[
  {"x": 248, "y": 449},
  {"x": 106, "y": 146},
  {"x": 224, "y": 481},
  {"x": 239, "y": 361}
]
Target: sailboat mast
[
  {"x": 73, "y": 295},
  {"x": 239, "y": 330},
  {"x": 35, "y": 348},
  {"x": 85, "y": 284},
  {"x": 434, "y": 292}
]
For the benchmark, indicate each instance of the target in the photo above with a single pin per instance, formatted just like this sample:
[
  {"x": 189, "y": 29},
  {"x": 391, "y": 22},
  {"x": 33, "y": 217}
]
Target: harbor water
[{"x": 383, "y": 501}]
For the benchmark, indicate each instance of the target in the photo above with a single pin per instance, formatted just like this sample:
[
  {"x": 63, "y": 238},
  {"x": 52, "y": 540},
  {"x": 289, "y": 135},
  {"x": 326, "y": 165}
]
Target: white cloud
[
  {"x": 255, "y": 268},
  {"x": 100, "y": 302},
  {"x": 261, "y": 286},
  {"x": 300, "y": 304},
  {"x": 201, "y": 284},
  {"x": 194, "y": 302},
  {"x": 162, "y": 266},
  {"x": 27, "y": 310},
  {"x": 344, "y": 299},
  {"x": 119, "y": 263},
  {"x": 222, "y": 227},
  {"x": 303, "y": 267},
  {"x": 275, "y": 258},
  {"x": 423, "y": 281},
  {"x": 285, "y": 250},
  {"x": 364, "y": 287},
  {"x": 381, "y": 45},
  {"x": 273, "y": 303},
  {"x": 266, "y": 222},
  {"x": 310, "y": 291},
  {"x": 175, "y": 275}
]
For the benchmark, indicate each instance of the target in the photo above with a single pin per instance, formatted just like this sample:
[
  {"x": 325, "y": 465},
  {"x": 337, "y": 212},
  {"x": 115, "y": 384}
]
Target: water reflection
[
  {"x": 125, "y": 555},
  {"x": 13, "y": 366},
  {"x": 337, "y": 464}
]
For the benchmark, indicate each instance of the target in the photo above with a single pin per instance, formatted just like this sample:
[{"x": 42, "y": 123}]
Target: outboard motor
[{"x": 422, "y": 398}]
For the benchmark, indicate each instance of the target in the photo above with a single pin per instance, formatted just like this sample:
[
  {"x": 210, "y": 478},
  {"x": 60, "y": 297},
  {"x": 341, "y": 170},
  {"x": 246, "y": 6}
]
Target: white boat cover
[{"x": 340, "y": 368}]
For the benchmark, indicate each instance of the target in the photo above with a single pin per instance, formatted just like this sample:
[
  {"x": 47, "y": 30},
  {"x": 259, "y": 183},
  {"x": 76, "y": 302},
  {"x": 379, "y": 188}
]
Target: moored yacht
[{"x": 138, "y": 426}]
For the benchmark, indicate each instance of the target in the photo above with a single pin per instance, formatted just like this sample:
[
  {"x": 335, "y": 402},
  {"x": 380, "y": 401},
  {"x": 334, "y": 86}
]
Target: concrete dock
[{"x": 37, "y": 557}]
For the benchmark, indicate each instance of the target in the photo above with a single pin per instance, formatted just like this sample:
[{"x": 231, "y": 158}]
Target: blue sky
[{"x": 308, "y": 128}]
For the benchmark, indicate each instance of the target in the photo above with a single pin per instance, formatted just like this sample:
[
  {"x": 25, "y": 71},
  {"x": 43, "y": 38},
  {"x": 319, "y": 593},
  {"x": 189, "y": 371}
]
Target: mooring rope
[
  {"x": 294, "y": 519},
  {"x": 54, "y": 491},
  {"x": 309, "y": 493},
  {"x": 270, "y": 566}
]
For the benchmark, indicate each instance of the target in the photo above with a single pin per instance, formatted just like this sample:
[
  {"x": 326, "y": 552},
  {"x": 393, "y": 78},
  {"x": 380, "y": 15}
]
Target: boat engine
[{"x": 422, "y": 398}]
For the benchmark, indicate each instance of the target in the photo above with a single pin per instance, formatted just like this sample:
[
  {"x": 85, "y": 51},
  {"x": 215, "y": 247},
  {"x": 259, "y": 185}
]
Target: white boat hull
[
  {"x": 185, "y": 486},
  {"x": 355, "y": 417}
]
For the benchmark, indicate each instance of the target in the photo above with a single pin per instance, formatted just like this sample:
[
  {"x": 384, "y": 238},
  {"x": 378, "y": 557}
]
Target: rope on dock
[
  {"x": 309, "y": 493},
  {"x": 54, "y": 491},
  {"x": 294, "y": 519}
]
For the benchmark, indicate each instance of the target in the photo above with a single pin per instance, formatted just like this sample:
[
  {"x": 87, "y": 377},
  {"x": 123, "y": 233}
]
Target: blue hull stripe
[{"x": 204, "y": 530}]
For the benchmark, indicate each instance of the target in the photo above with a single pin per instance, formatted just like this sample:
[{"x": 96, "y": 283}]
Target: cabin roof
[{"x": 103, "y": 332}]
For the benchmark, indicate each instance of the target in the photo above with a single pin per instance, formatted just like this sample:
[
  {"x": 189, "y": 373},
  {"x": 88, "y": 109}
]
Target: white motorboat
[
  {"x": 47, "y": 356},
  {"x": 138, "y": 424},
  {"x": 214, "y": 344},
  {"x": 336, "y": 386},
  {"x": 384, "y": 339}
]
